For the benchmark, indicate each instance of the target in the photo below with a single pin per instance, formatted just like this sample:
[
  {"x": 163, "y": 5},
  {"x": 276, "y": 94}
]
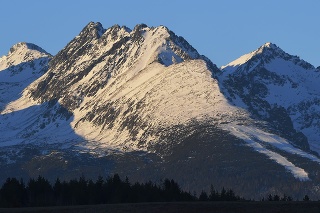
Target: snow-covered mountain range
[{"x": 146, "y": 104}]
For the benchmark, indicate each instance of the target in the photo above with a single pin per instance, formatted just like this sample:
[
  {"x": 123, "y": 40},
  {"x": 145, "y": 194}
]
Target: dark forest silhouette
[{"x": 40, "y": 192}]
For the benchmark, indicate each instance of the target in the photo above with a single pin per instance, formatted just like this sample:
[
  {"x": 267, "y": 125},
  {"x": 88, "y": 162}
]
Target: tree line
[
  {"x": 40, "y": 192},
  {"x": 276, "y": 197}
]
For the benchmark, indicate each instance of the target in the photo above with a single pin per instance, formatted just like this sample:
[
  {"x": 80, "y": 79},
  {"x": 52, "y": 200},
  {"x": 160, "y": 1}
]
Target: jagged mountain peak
[
  {"x": 266, "y": 49},
  {"x": 138, "y": 27},
  {"x": 160, "y": 30},
  {"x": 270, "y": 45},
  {"x": 269, "y": 49},
  {"x": 99, "y": 56},
  {"x": 92, "y": 24},
  {"x": 261, "y": 56},
  {"x": 95, "y": 30},
  {"x": 141, "y": 35},
  {"x": 22, "y": 52},
  {"x": 24, "y": 46},
  {"x": 92, "y": 30},
  {"x": 117, "y": 27}
]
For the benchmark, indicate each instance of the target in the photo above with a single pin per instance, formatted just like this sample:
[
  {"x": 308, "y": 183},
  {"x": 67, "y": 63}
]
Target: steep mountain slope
[
  {"x": 120, "y": 84},
  {"x": 24, "y": 63},
  {"x": 144, "y": 103},
  {"x": 22, "y": 118},
  {"x": 279, "y": 88}
]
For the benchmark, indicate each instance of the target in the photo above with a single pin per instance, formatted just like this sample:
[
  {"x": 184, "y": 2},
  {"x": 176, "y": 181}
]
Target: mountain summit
[
  {"x": 22, "y": 53},
  {"x": 144, "y": 103},
  {"x": 269, "y": 80},
  {"x": 24, "y": 63},
  {"x": 263, "y": 55},
  {"x": 23, "y": 46},
  {"x": 96, "y": 55}
]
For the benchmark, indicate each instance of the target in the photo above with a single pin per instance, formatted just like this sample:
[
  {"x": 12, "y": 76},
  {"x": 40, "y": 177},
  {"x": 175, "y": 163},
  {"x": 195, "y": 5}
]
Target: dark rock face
[{"x": 252, "y": 89}]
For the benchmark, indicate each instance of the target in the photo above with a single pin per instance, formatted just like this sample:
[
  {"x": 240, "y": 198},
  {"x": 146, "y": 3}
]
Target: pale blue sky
[{"x": 222, "y": 30}]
